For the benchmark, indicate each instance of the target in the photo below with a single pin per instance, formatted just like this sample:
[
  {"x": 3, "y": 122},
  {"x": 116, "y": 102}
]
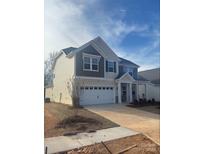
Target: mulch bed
[
  {"x": 137, "y": 144},
  {"x": 147, "y": 107},
  {"x": 77, "y": 120}
]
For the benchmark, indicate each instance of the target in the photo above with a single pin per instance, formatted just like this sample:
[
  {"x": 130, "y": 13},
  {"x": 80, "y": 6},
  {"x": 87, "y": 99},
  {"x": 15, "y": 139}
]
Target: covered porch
[{"x": 127, "y": 89}]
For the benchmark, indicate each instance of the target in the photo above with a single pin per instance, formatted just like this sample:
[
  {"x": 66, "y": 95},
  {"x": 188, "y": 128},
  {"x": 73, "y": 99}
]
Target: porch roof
[{"x": 126, "y": 78}]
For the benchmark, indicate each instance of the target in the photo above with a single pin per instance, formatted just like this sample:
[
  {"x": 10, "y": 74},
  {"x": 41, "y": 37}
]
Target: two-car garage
[{"x": 96, "y": 95}]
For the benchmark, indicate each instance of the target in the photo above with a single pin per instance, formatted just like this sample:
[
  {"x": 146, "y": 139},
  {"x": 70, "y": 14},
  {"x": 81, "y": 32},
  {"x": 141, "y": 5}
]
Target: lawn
[{"x": 60, "y": 119}]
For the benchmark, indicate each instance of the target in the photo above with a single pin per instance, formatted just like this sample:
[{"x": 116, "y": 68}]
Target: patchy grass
[{"x": 61, "y": 119}]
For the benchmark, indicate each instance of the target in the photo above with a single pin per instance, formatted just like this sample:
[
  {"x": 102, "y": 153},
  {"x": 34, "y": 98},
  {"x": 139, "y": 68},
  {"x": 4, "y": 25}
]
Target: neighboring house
[
  {"x": 153, "y": 87},
  {"x": 103, "y": 77}
]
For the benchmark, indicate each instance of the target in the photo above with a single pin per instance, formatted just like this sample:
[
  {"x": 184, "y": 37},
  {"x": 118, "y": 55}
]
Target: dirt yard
[
  {"x": 137, "y": 144},
  {"x": 60, "y": 119}
]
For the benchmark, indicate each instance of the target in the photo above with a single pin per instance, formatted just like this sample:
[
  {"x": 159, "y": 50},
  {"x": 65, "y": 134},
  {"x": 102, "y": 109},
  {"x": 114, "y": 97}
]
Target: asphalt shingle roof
[
  {"x": 139, "y": 77},
  {"x": 127, "y": 62},
  {"x": 68, "y": 50},
  {"x": 152, "y": 75}
]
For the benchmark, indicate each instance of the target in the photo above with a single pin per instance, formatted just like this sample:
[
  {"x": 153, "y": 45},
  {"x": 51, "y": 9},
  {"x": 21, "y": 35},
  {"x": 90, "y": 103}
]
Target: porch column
[
  {"x": 119, "y": 93},
  {"x": 146, "y": 91},
  {"x": 137, "y": 90},
  {"x": 114, "y": 94},
  {"x": 130, "y": 91}
]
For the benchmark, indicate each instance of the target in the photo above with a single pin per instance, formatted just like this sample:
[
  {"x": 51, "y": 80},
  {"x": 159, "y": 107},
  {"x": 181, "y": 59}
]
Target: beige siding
[
  {"x": 153, "y": 92},
  {"x": 49, "y": 93},
  {"x": 63, "y": 70}
]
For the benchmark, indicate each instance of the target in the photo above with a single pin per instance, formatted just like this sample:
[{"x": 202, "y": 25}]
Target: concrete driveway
[{"x": 138, "y": 120}]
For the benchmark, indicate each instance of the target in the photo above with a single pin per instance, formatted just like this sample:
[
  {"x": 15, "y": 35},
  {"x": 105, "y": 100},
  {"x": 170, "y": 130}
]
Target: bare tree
[
  {"x": 48, "y": 64},
  {"x": 73, "y": 87}
]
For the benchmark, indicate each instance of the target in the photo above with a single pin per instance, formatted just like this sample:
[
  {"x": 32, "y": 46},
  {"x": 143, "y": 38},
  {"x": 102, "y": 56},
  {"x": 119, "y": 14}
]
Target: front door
[{"x": 124, "y": 93}]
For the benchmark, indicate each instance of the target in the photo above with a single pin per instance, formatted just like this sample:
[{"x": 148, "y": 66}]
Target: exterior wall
[
  {"x": 111, "y": 75},
  {"x": 79, "y": 63},
  {"x": 63, "y": 70},
  {"x": 49, "y": 93},
  {"x": 142, "y": 90},
  {"x": 135, "y": 71},
  {"x": 121, "y": 72},
  {"x": 153, "y": 92},
  {"x": 87, "y": 82}
]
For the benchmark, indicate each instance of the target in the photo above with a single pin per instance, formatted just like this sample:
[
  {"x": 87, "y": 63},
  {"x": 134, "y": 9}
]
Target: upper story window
[
  {"x": 110, "y": 66},
  {"x": 95, "y": 64},
  {"x": 86, "y": 61},
  {"x": 91, "y": 62}
]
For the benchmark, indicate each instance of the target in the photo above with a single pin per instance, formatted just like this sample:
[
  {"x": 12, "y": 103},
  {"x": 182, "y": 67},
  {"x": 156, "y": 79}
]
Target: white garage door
[{"x": 96, "y": 95}]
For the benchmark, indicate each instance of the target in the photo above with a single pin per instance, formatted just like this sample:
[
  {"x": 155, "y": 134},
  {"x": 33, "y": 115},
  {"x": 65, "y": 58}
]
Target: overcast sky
[{"x": 130, "y": 27}]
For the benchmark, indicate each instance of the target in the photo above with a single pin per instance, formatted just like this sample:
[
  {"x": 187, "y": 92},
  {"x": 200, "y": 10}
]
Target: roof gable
[
  {"x": 100, "y": 43},
  {"x": 100, "y": 46},
  {"x": 126, "y": 78}
]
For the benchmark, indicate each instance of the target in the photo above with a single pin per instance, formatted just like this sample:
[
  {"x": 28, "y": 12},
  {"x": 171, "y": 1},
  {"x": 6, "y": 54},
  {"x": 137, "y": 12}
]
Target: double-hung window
[
  {"x": 110, "y": 66},
  {"x": 86, "y": 61},
  {"x": 91, "y": 63},
  {"x": 94, "y": 64}
]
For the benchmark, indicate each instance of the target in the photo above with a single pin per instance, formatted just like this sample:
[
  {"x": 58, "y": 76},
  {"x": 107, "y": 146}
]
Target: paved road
[{"x": 138, "y": 120}]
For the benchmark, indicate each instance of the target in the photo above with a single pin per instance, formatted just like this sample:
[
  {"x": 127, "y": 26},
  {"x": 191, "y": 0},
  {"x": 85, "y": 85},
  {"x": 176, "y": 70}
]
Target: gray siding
[
  {"x": 79, "y": 63},
  {"x": 121, "y": 72},
  {"x": 135, "y": 73}
]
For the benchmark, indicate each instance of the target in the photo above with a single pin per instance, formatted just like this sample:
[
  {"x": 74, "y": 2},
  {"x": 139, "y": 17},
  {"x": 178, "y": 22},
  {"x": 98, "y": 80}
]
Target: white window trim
[{"x": 91, "y": 57}]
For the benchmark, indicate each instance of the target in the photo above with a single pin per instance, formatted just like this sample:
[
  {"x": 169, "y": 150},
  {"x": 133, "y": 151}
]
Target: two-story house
[{"x": 103, "y": 77}]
